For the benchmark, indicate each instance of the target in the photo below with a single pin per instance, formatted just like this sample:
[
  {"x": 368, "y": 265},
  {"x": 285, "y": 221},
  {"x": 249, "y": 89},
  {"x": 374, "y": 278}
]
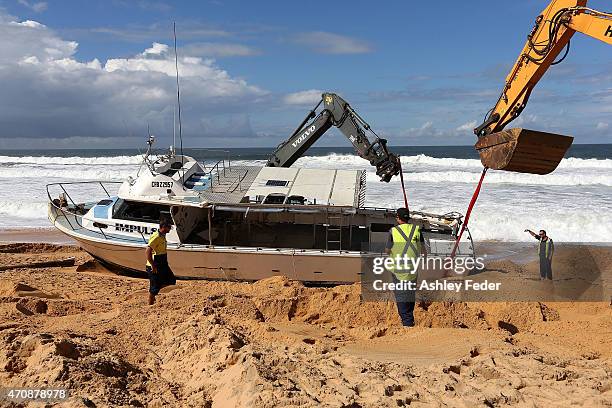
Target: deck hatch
[{"x": 277, "y": 183}]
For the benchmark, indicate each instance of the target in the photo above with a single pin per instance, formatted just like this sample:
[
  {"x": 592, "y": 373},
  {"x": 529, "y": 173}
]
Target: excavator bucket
[{"x": 523, "y": 150}]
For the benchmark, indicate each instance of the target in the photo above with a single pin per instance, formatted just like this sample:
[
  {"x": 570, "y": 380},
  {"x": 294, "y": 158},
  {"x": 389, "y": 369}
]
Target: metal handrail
[
  {"x": 101, "y": 233},
  {"x": 62, "y": 184},
  {"x": 449, "y": 216},
  {"x": 64, "y": 211},
  {"x": 215, "y": 166},
  {"x": 220, "y": 166},
  {"x": 237, "y": 182}
]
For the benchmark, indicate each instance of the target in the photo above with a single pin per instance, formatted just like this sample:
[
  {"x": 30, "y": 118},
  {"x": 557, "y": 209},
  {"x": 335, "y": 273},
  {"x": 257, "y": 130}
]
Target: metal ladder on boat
[{"x": 333, "y": 232}]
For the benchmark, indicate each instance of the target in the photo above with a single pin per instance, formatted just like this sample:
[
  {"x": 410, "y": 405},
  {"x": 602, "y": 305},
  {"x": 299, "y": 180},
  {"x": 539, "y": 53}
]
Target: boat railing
[
  {"x": 71, "y": 215},
  {"x": 449, "y": 216},
  {"x": 216, "y": 169},
  {"x": 223, "y": 176},
  {"x": 237, "y": 183},
  {"x": 73, "y": 183}
]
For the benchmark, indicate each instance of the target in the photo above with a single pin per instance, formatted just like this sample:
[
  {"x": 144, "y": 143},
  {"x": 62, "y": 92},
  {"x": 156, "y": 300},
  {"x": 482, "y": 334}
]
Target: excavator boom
[
  {"x": 524, "y": 150},
  {"x": 337, "y": 112}
]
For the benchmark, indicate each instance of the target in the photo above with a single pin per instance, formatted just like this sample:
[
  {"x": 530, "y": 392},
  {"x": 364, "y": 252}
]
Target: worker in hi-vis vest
[
  {"x": 404, "y": 241},
  {"x": 546, "y": 250}
]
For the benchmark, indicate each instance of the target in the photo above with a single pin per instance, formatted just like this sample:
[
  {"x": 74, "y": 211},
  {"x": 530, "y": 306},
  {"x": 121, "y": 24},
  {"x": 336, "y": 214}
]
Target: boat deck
[{"x": 229, "y": 185}]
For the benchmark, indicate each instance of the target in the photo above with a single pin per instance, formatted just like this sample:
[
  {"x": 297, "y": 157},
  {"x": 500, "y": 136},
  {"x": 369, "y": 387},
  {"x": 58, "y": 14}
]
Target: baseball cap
[{"x": 403, "y": 214}]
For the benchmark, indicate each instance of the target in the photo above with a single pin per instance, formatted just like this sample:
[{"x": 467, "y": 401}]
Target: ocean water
[{"x": 574, "y": 203}]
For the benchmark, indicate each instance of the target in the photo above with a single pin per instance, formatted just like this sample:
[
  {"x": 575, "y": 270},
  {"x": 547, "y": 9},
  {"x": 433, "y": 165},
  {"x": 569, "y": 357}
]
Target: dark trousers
[
  {"x": 404, "y": 300},
  {"x": 163, "y": 277},
  {"x": 545, "y": 268},
  {"x": 406, "y": 312}
]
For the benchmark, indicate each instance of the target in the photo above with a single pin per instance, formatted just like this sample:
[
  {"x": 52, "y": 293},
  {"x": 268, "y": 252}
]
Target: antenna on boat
[
  {"x": 148, "y": 152},
  {"x": 178, "y": 100},
  {"x": 173, "y": 149}
]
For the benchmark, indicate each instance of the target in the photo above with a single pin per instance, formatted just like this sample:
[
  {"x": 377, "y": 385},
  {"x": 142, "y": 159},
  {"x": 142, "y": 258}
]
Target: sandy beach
[
  {"x": 47, "y": 235},
  {"x": 208, "y": 204},
  {"x": 278, "y": 343}
]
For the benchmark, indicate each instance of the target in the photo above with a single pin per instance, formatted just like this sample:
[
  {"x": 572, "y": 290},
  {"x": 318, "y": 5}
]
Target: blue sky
[{"x": 419, "y": 73}]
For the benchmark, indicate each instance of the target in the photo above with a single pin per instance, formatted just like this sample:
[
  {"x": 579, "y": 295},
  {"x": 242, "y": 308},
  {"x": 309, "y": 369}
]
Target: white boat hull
[{"x": 218, "y": 262}]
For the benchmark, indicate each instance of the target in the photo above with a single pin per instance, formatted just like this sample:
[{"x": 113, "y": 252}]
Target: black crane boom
[{"x": 337, "y": 112}]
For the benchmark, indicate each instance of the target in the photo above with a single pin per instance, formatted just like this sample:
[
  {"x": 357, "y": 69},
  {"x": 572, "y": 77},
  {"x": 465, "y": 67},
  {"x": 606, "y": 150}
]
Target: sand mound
[
  {"x": 48, "y": 359},
  {"x": 92, "y": 265},
  {"x": 37, "y": 248},
  {"x": 279, "y": 343},
  {"x": 20, "y": 289},
  {"x": 506, "y": 266}
]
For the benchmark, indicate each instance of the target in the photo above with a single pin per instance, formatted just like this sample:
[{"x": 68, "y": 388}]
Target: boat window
[
  {"x": 143, "y": 212},
  {"x": 376, "y": 227},
  {"x": 277, "y": 183},
  {"x": 101, "y": 209},
  {"x": 169, "y": 172},
  {"x": 295, "y": 199},
  {"x": 174, "y": 167},
  {"x": 248, "y": 200},
  {"x": 274, "y": 199}
]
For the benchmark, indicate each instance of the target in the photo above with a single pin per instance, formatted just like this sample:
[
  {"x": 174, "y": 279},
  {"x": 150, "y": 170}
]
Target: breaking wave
[
  {"x": 23, "y": 209},
  {"x": 574, "y": 208},
  {"x": 555, "y": 179},
  {"x": 68, "y": 173},
  {"x": 47, "y": 160},
  {"x": 331, "y": 159},
  {"x": 562, "y": 227},
  {"x": 421, "y": 159}
]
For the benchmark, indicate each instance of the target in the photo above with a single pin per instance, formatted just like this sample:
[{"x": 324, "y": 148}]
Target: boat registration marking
[{"x": 162, "y": 184}]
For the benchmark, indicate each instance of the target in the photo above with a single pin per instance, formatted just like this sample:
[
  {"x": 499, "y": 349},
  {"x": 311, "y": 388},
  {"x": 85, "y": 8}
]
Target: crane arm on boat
[{"x": 337, "y": 112}]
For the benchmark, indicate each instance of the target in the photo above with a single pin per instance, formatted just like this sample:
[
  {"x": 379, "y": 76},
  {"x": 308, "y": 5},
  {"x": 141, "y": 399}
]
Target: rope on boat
[
  {"x": 401, "y": 172},
  {"x": 469, "y": 210}
]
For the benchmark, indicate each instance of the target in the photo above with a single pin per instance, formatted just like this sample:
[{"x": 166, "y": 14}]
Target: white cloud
[
  {"x": 467, "y": 127},
  {"x": 48, "y": 93},
  {"x": 525, "y": 119},
  {"x": 154, "y": 5},
  {"x": 140, "y": 33},
  {"x": 431, "y": 134},
  {"x": 426, "y": 130},
  {"x": 29, "y": 23},
  {"x": 30, "y": 38},
  {"x": 330, "y": 43},
  {"x": 309, "y": 97},
  {"x": 602, "y": 126},
  {"x": 208, "y": 49},
  {"x": 37, "y": 7},
  {"x": 156, "y": 49}
]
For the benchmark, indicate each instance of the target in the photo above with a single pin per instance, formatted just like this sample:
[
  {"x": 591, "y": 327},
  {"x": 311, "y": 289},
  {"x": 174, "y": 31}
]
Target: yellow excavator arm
[
  {"x": 592, "y": 23},
  {"x": 523, "y": 150}
]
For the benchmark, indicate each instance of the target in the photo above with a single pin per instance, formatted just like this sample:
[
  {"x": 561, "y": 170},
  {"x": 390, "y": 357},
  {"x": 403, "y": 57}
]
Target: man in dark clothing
[
  {"x": 546, "y": 249},
  {"x": 159, "y": 271}
]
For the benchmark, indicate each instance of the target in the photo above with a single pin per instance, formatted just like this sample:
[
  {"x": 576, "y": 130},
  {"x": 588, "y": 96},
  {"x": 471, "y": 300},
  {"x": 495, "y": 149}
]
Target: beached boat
[{"x": 237, "y": 222}]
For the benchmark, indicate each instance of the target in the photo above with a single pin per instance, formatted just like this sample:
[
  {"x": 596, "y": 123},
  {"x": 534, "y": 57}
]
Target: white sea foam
[
  {"x": 557, "y": 179},
  {"x": 424, "y": 160},
  {"x": 561, "y": 177},
  {"x": 46, "y": 160},
  {"x": 23, "y": 210},
  {"x": 332, "y": 159},
  {"x": 561, "y": 226},
  {"x": 573, "y": 203}
]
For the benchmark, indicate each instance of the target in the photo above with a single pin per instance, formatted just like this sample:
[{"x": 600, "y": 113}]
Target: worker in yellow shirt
[{"x": 159, "y": 271}]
